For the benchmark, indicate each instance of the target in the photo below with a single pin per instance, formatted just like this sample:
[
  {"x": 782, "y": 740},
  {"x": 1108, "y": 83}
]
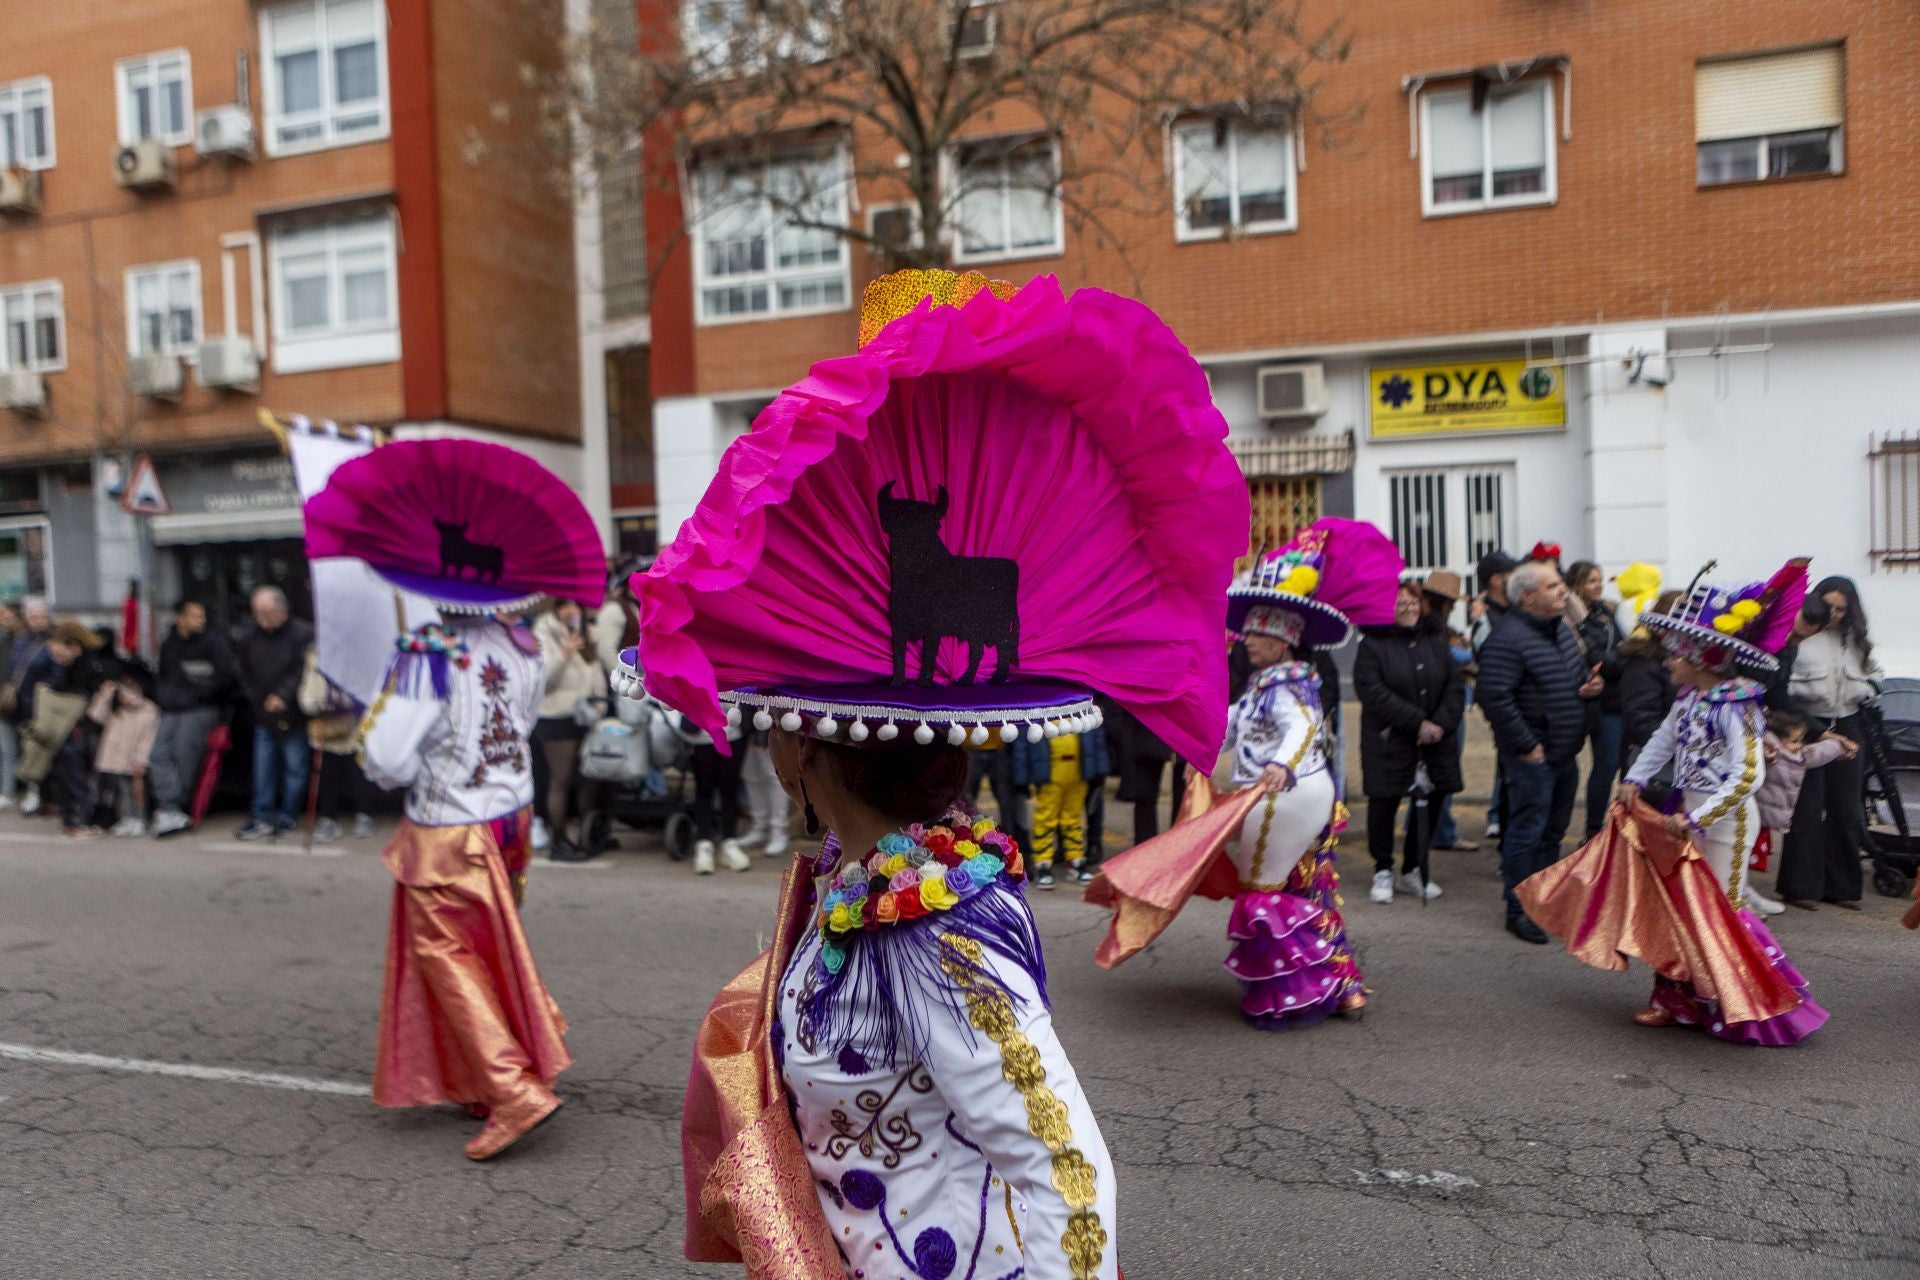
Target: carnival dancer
[
  {"x": 480, "y": 530},
  {"x": 1671, "y": 889},
  {"x": 1006, "y": 501}
]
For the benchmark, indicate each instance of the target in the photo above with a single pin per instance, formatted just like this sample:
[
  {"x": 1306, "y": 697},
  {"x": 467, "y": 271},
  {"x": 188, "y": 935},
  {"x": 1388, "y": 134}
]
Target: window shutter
[{"x": 1776, "y": 93}]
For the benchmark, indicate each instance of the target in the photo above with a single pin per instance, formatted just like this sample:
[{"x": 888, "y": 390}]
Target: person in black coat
[
  {"x": 1412, "y": 696},
  {"x": 1534, "y": 685},
  {"x": 272, "y": 655}
]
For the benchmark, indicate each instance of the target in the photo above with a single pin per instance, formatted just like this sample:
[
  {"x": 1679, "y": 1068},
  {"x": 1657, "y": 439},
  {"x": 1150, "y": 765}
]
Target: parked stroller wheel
[
  {"x": 678, "y": 834},
  {"x": 1890, "y": 882},
  {"x": 596, "y": 832}
]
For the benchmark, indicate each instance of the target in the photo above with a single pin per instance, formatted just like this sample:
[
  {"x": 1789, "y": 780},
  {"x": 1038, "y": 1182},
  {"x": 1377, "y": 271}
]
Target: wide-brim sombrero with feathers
[
  {"x": 1734, "y": 626},
  {"x": 474, "y": 527},
  {"x": 1335, "y": 576},
  {"x": 1004, "y": 502}
]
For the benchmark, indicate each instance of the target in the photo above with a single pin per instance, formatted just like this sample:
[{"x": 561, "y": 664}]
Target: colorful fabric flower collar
[
  {"x": 913, "y": 873},
  {"x": 1284, "y": 673},
  {"x": 432, "y": 640}
]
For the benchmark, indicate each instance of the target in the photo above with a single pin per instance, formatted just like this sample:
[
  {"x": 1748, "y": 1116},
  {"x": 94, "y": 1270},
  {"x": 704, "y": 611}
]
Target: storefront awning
[
  {"x": 1294, "y": 456},
  {"x": 227, "y": 526}
]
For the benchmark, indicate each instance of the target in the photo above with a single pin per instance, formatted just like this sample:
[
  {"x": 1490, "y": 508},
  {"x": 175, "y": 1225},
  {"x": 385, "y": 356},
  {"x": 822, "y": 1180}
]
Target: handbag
[{"x": 54, "y": 715}]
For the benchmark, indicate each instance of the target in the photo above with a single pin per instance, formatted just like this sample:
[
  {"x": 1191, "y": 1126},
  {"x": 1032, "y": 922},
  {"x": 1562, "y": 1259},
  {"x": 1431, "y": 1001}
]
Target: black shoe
[
  {"x": 1043, "y": 877},
  {"x": 1080, "y": 871},
  {"x": 1527, "y": 931},
  {"x": 568, "y": 851}
]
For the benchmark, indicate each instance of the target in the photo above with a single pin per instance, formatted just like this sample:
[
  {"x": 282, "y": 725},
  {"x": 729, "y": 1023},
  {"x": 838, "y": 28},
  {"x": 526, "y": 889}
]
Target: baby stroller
[
  {"x": 632, "y": 749},
  {"x": 1892, "y": 750}
]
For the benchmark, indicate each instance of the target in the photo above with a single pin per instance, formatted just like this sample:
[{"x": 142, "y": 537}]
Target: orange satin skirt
[{"x": 465, "y": 1017}]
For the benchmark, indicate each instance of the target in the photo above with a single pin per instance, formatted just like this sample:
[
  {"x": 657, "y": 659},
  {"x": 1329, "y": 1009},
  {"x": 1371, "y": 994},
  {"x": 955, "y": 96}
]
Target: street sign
[{"x": 143, "y": 496}]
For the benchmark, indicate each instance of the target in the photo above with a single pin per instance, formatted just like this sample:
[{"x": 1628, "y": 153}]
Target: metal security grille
[
  {"x": 1893, "y": 496},
  {"x": 1486, "y": 517},
  {"x": 1281, "y": 507},
  {"x": 1418, "y": 501}
]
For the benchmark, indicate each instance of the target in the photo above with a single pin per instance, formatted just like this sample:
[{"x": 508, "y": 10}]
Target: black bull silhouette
[{"x": 936, "y": 594}]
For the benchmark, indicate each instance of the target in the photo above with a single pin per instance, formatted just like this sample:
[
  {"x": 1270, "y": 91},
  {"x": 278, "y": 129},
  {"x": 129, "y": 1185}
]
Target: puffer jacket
[
  {"x": 1531, "y": 671},
  {"x": 1032, "y": 762}
]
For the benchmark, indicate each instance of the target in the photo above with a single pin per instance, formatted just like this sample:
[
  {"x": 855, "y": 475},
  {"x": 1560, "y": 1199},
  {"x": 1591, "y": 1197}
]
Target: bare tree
[{"x": 939, "y": 113}]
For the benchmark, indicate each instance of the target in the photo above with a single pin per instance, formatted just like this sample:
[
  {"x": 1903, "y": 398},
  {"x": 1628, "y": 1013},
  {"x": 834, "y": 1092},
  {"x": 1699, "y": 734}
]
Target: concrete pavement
[{"x": 1495, "y": 1114}]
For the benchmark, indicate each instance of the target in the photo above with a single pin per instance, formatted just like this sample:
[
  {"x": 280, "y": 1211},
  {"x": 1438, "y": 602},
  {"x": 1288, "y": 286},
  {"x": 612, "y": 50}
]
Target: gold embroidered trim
[
  {"x": 1260, "y": 850},
  {"x": 1306, "y": 743},
  {"x": 1739, "y": 857},
  {"x": 365, "y": 730},
  {"x": 1085, "y": 1240},
  {"x": 1012, "y": 1221}
]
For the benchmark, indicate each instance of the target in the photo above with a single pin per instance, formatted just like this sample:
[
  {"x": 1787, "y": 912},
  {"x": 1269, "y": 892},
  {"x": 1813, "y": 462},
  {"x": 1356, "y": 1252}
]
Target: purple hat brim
[
  {"x": 1744, "y": 653},
  {"x": 453, "y": 593},
  {"x": 1326, "y": 627}
]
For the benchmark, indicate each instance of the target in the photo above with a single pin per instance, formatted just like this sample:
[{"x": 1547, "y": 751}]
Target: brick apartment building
[
  {"x": 210, "y": 207},
  {"x": 1640, "y": 278}
]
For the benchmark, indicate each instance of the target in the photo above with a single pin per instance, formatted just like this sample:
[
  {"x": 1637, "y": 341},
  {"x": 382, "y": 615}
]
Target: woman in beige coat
[{"x": 573, "y": 673}]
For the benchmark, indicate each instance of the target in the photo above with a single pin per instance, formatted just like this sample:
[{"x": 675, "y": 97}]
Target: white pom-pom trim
[
  {"x": 924, "y": 734},
  {"x": 955, "y": 735},
  {"x": 979, "y": 735},
  {"x": 1036, "y": 733},
  {"x": 762, "y": 720},
  {"x": 790, "y": 722},
  {"x": 733, "y": 717},
  {"x": 857, "y": 731},
  {"x": 889, "y": 731},
  {"x": 1008, "y": 732},
  {"x": 826, "y": 726}
]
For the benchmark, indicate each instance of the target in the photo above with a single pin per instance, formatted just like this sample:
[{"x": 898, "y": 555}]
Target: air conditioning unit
[
  {"x": 224, "y": 131},
  {"x": 977, "y": 31},
  {"x": 1293, "y": 390},
  {"x": 229, "y": 364},
  {"x": 19, "y": 191},
  {"x": 158, "y": 377},
  {"x": 146, "y": 165},
  {"x": 24, "y": 393}
]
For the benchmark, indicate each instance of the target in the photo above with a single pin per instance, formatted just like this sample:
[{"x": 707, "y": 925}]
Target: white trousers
[
  {"x": 1298, "y": 818},
  {"x": 766, "y": 801},
  {"x": 1727, "y": 843}
]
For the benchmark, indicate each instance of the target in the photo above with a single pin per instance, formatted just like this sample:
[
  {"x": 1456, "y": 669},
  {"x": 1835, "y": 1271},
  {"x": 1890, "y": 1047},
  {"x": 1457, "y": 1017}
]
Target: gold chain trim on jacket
[
  {"x": 1739, "y": 856},
  {"x": 1306, "y": 743},
  {"x": 1260, "y": 850},
  {"x": 1074, "y": 1176},
  {"x": 365, "y": 730}
]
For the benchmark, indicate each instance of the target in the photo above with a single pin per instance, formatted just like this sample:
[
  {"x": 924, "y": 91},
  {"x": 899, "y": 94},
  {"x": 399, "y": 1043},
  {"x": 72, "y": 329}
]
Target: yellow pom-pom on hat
[
  {"x": 1745, "y": 610},
  {"x": 1301, "y": 581},
  {"x": 1728, "y": 623}
]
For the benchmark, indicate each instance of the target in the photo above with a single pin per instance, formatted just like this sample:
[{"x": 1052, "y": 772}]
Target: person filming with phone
[{"x": 1534, "y": 685}]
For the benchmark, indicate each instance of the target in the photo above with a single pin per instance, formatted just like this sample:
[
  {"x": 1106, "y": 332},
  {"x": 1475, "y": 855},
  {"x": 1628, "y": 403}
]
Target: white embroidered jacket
[
  {"x": 1713, "y": 739},
  {"x": 464, "y": 757},
  {"x": 980, "y": 1161},
  {"x": 1278, "y": 721}
]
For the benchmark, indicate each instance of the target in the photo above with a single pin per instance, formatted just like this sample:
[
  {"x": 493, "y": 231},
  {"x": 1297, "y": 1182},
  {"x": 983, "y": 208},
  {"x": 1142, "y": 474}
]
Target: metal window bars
[{"x": 1893, "y": 500}]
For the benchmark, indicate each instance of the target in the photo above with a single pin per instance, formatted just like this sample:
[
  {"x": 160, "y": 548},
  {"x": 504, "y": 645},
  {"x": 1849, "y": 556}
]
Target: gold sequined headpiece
[{"x": 892, "y": 296}]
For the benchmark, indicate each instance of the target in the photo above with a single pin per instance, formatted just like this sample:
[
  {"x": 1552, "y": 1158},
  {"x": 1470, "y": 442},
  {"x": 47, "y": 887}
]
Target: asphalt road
[{"x": 1496, "y": 1114}]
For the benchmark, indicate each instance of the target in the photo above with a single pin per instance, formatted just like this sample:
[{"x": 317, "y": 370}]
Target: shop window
[
  {"x": 1008, "y": 200},
  {"x": 32, "y": 328},
  {"x": 1448, "y": 517},
  {"x": 334, "y": 295},
  {"x": 163, "y": 309},
  {"x": 156, "y": 98},
  {"x": 1490, "y": 149},
  {"x": 1777, "y": 115},
  {"x": 766, "y": 242},
  {"x": 1231, "y": 178},
  {"x": 326, "y": 73},
  {"x": 26, "y": 124}
]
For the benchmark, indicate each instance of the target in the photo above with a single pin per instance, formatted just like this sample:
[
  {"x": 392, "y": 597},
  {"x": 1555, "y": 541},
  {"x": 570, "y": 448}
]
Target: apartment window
[
  {"x": 1493, "y": 154},
  {"x": 766, "y": 240},
  {"x": 156, "y": 98},
  {"x": 163, "y": 309},
  {"x": 1008, "y": 201},
  {"x": 1779, "y": 115},
  {"x": 334, "y": 296},
  {"x": 1231, "y": 178},
  {"x": 1448, "y": 517},
  {"x": 710, "y": 29},
  {"x": 26, "y": 124},
  {"x": 32, "y": 328},
  {"x": 326, "y": 73}
]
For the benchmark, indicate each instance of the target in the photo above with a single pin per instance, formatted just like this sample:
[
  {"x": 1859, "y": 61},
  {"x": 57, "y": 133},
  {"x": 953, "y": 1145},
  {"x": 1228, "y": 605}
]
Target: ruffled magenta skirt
[
  {"x": 1791, "y": 1027},
  {"x": 1290, "y": 949}
]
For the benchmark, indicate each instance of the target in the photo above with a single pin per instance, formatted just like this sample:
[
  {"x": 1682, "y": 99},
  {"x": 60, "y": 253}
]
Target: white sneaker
[
  {"x": 130, "y": 827},
  {"x": 1410, "y": 883},
  {"x": 326, "y": 831},
  {"x": 733, "y": 857},
  {"x": 1763, "y": 904},
  {"x": 363, "y": 826},
  {"x": 753, "y": 839},
  {"x": 778, "y": 845},
  {"x": 542, "y": 839},
  {"x": 1382, "y": 891},
  {"x": 703, "y": 858},
  {"x": 170, "y": 821},
  {"x": 30, "y": 802}
]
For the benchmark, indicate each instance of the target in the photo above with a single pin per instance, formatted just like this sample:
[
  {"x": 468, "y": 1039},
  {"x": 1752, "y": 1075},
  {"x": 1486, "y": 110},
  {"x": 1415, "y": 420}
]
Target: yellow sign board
[{"x": 1485, "y": 395}]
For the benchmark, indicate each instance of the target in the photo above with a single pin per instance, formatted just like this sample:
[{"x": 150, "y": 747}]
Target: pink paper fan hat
[
  {"x": 473, "y": 527},
  {"x": 1334, "y": 576},
  {"x": 1005, "y": 502}
]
